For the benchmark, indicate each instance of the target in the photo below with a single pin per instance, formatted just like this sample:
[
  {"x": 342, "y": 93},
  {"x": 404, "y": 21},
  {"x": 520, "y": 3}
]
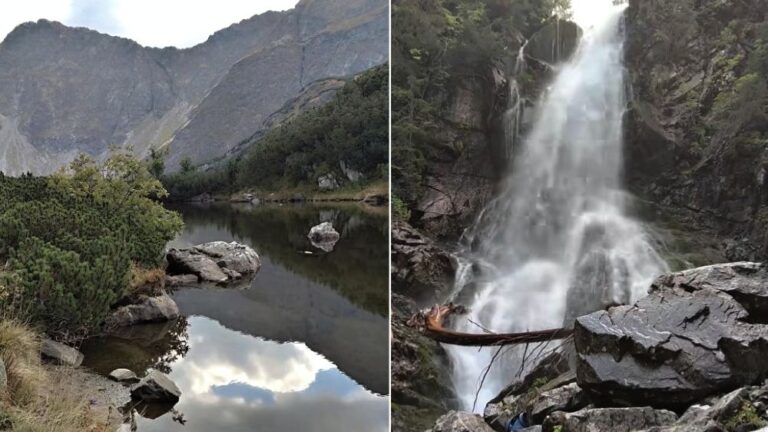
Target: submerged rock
[
  {"x": 146, "y": 310},
  {"x": 609, "y": 419},
  {"x": 156, "y": 387},
  {"x": 60, "y": 353},
  {"x": 698, "y": 332},
  {"x": 459, "y": 421},
  {"x": 216, "y": 262},
  {"x": 123, "y": 375},
  {"x": 181, "y": 280}
]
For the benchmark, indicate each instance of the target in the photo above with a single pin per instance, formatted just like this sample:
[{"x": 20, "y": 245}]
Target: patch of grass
[
  {"x": 146, "y": 281},
  {"x": 747, "y": 415},
  {"x": 35, "y": 400}
]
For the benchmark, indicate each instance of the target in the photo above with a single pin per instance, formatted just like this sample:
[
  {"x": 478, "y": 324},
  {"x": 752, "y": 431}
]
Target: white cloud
[{"x": 157, "y": 23}]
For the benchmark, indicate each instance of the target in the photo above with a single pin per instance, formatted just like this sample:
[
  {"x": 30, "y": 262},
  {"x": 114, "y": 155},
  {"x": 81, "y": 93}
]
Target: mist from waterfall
[{"x": 556, "y": 242}]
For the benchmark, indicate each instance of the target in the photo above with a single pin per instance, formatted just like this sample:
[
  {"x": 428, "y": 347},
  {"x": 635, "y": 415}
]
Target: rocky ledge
[
  {"x": 215, "y": 262},
  {"x": 686, "y": 358}
]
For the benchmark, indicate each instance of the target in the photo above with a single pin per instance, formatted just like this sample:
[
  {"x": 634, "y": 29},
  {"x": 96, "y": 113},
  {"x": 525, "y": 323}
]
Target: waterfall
[{"x": 556, "y": 242}]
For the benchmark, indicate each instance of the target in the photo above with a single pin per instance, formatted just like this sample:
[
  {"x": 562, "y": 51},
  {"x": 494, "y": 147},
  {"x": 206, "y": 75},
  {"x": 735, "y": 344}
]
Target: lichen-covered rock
[
  {"x": 146, "y": 310},
  {"x": 698, "y": 332},
  {"x": 609, "y": 419},
  {"x": 459, "y": 421},
  {"x": 60, "y": 353},
  {"x": 156, "y": 387},
  {"x": 420, "y": 269}
]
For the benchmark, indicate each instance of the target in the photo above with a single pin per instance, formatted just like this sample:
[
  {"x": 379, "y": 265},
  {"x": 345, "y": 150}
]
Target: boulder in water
[
  {"x": 60, "y": 353},
  {"x": 146, "y": 310},
  {"x": 698, "y": 332},
  {"x": 323, "y": 236},
  {"x": 181, "y": 280},
  {"x": 233, "y": 256},
  {"x": 209, "y": 261},
  {"x": 156, "y": 387}
]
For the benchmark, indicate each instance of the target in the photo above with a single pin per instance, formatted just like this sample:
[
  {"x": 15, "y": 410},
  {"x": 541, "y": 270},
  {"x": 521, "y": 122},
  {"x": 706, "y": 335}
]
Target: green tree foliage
[
  {"x": 434, "y": 44},
  {"x": 69, "y": 240},
  {"x": 353, "y": 128}
]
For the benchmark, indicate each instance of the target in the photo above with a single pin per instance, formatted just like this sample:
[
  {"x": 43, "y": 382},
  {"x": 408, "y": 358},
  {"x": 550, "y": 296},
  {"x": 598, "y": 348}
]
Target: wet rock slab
[
  {"x": 60, "y": 353},
  {"x": 697, "y": 333},
  {"x": 609, "y": 419}
]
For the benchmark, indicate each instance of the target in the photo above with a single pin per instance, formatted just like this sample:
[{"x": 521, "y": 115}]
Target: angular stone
[
  {"x": 697, "y": 333},
  {"x": 420, "y": 269},
  {"x": 147, "y": 310},
  {"x": 63, "y": 354},
  {"x": 156, "y": 387},
  {"x": 459, "y": 421},
  {"x": 323, "y": 232},
  {"x": 123, "y": 375}
]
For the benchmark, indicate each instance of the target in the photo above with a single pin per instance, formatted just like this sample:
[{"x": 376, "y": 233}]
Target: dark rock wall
[{"x": 681, "y": 154}]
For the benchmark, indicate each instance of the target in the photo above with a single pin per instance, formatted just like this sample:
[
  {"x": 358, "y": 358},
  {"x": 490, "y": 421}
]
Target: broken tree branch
[{"x": 431, "y": 324}]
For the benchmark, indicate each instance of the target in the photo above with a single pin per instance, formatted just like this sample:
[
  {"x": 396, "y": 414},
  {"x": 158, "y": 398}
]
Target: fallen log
[{"x": 431, "y": 324}]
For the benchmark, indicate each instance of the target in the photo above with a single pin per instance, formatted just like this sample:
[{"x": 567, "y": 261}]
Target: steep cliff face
[
  {"x": 696, "y": 131},
  {"x": 65, "y": 90}
]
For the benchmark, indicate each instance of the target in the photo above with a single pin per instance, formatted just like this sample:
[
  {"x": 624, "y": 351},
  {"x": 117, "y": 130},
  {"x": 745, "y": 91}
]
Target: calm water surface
[{"x": 304, "y": 346}]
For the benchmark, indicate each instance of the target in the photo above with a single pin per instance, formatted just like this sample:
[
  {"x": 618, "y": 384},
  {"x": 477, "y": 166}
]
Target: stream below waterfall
[{"x": 556, "y": 242}]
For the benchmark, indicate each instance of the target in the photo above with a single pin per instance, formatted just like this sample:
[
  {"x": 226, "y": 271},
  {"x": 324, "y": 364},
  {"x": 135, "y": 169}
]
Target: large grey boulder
[
  {"x": 60, "y": 353},
  {"x": 459, "y": 421},
  {"x": 698, "y": 332},
  {"x": 156, "y": 387},
  {"x": 233, "y": 256},
  {"x": 609, "y": 419},
  {"x": 187, "y": 261},
  {"x": 146, "y": 310}
]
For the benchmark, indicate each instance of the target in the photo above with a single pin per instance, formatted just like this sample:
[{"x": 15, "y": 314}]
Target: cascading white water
[{"x": 556, "y": 242}]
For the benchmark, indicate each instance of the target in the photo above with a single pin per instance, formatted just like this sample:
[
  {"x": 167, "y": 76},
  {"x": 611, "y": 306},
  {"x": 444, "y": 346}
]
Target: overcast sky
[{"x": 157, "y": 23}]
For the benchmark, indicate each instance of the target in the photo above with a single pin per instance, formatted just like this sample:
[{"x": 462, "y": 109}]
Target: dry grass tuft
[
  {"x": 144, "y": 281},
  {"x": 36, "y": 400}
]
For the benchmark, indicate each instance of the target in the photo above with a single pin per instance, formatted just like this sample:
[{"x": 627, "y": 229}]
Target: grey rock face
[
  {"x": 698, "y": 332},
  {"x": 60, "y": 353},
  {"x": 610, "y": 419},
  {"x": 327, "y": 182},
  {"x": 420, "y": 269},
  {"x": 69, "y": 90},
  {"x": 459, "y": 421},
  {"x": 156, "y": 387},
  {"x": 147, "y": 310},
  {"x": 123, "y": 375},
  {"x": 554, "y": 43}
]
